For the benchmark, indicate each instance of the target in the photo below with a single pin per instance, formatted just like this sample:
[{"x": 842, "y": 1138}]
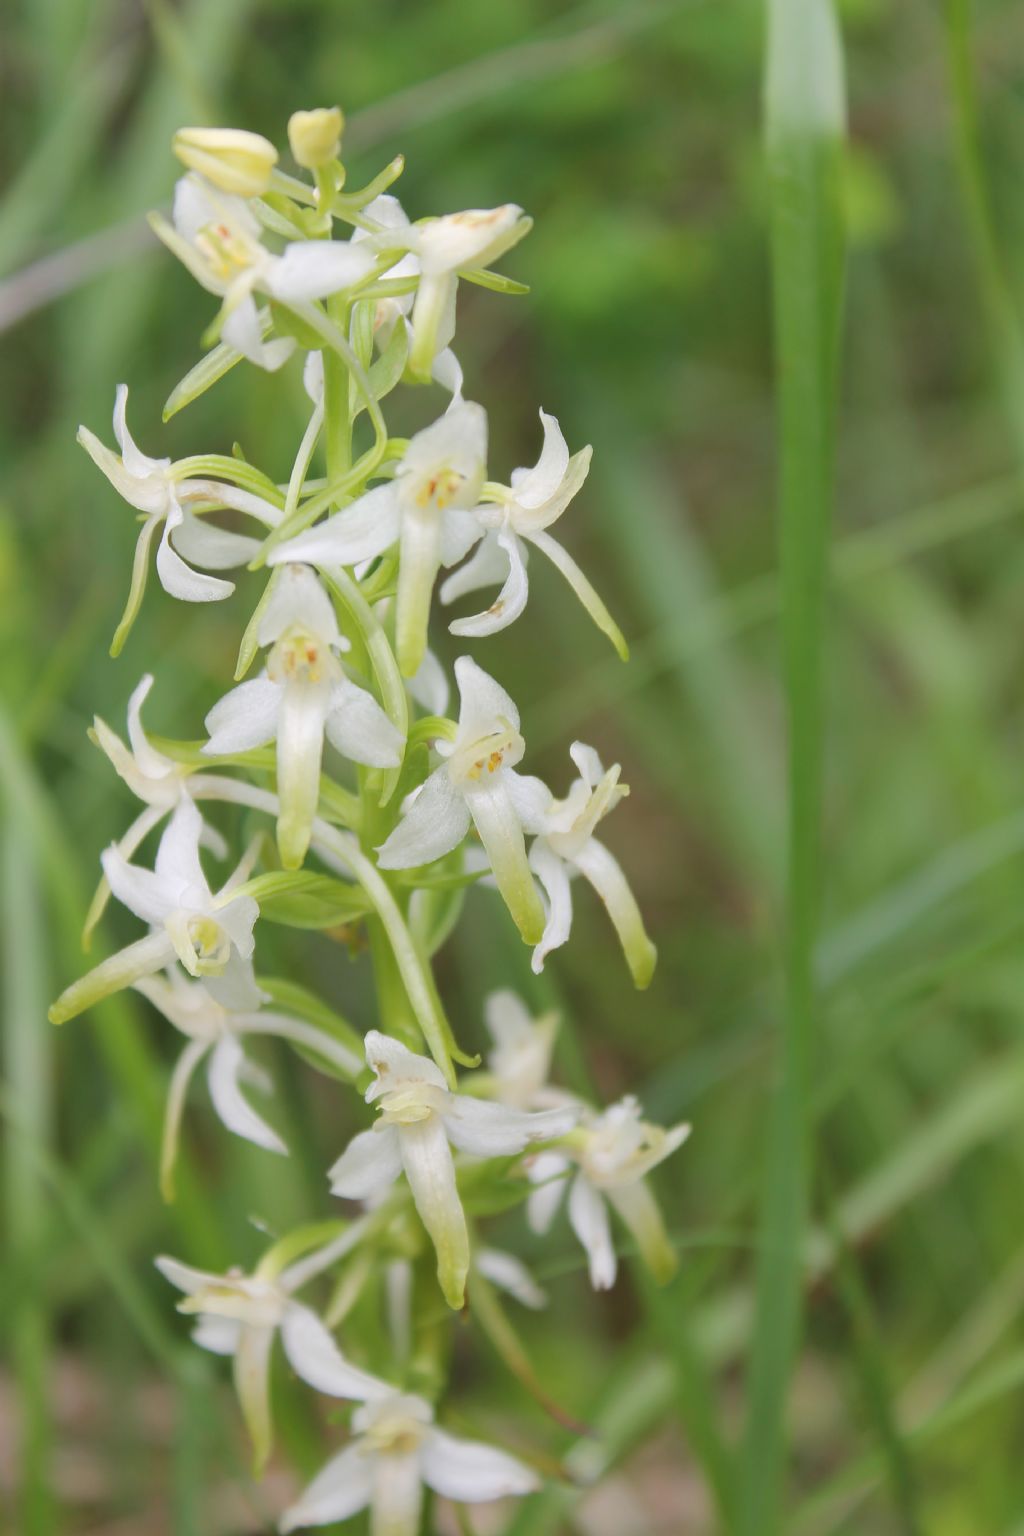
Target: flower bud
[
  {"x": 315, "y": 137},
  {"x": 234, "y": 160}
]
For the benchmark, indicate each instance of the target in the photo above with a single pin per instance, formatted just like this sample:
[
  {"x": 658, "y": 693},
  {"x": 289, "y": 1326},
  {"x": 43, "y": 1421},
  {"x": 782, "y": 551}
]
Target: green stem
[{"x": 804, "y": 131}]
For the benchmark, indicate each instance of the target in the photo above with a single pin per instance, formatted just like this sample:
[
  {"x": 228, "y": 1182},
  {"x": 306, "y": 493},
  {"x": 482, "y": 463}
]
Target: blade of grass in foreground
[
  {"x": 28, "y": 1070},
  {"x": 804, "y": 127}
]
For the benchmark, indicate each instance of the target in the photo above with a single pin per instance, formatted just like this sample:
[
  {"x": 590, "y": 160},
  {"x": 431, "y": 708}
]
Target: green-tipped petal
[
  {"x": 419, "y": 562},
  {"x": 501, "y": 833},
  {"x": 605, "y": 875},
  {"x": 186, "y": 1064},
  {"x": 143, "y": 958},
  {"x": 252, "y": 1383},
  {"x": 300, "y": 743},
  {"x": 137, "y": 590},
  {"x": 642, "y": 1215},
  {"x": 427, "y": 1159},
  {"x": 563, "y": 561}
]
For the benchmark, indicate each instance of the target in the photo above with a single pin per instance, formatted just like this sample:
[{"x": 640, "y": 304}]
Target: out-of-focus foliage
[{"x": 633, "y": 136}]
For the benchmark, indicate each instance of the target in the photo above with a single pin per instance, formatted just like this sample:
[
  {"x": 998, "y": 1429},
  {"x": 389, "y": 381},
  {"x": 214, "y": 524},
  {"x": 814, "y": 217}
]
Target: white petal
[
  {"x": 535, "y": 486},
  {"x": 341, "y": 1489},
  {"x": 456, "y": 441},
  {"x": 511, "y": 1275},
  {"x": 177, "y": 857},
  {"x": 393, "y": 1062},
  {"x": 435, "y": 823},
  {"x": 419, "y": 562},
  {"x": 235, "y": 988},
  {"x": 312, "y": 269},
  {"x": 137, "y": 463},
  {"x": 554, "y": 877},
  {"x": 589, "y": 1216},
  {"x": 509, "y": 603},
  {"x": 315, "y": 1357},
  {"x": 140, "y": 890},
  {"x": 298, "y": 600},
  {"x": 369, "y": 1165},
  {"x": 446, "y": 370},
  {"x": 427, "y": 1160},
  {"x": 153, "y": 763},
  {"x": 220, "y": 1335},
  {"x": 213, "y": 548},
  {"x": 365, "y": 529},
  {"x": 487, "y": 1129},
  {"x": 472, "y": 238},
  {"x": 460, "y": 530},
  {"x": 360, "y": 730},
  {"x": 588, "y": 763},
  {"x": 237, "y": 918},
  {"x": 232, "y": 1108},
  {"x": 598, "y": 866},
  {"x": 300, "y": 745},
  {"x": 530, "y": 519},
  {"x": 481, "y": 699},
  {"x": 244, "y": 718},
  {"x": 546, "y": 1171},
  {"x": 472, "y": 1473},
  {"x": 150, "y": 495},
  {"x": 242, "y": 330},
  {"x": 184, "y": 1277},
  {"x": 488, "y": 567},
  {"x": 179, "y": 579},
  {"x": 531, "y": 799}
]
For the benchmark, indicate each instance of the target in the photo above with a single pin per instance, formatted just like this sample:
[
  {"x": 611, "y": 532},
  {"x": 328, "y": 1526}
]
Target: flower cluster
[{"x": 383, "y": 807}]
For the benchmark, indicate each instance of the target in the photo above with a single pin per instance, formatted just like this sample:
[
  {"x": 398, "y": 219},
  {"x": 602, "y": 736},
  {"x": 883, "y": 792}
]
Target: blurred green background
[{"x": 632, "y": 133}]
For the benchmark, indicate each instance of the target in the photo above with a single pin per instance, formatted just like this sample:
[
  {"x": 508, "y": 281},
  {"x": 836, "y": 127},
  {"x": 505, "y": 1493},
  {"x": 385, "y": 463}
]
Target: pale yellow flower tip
[
  {"x": 315, "y": 137},
  {"x": 234, "y": 160}
]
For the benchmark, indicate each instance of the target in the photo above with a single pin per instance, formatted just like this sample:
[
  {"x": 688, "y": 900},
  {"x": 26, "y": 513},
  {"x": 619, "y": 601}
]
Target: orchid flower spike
[
  {"x": 568, "y": 846},
  {"x": 217, "y": 236},
  {"x": 457, "y": 243},
  {"x": 476, "y": 783},
  {"x": 239, "y": 1315},
  {"x": 210, "y": 934},
  {"x": 391, "y": 229},
  {"x": 612, "y": 1152},
  {"x": 151, "y": 487},
  {"x": 419, "y": 1117},
  {"x": 398, "y": 1449},
  {"x": 522, "y": 511},
  {"x": 425, "y": 510},
  {"x": 216, "y": 1028},
  {"x": 303, "y": 694}
]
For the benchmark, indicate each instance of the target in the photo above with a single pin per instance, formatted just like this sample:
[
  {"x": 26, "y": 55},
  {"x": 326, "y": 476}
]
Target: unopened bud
[
  {"x": 234, "y": 160},
  {"x": 315, "y": 137}
]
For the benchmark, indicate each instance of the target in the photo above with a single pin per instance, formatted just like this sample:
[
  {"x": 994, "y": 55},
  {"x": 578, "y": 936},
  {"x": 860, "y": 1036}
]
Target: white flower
[
  {"x": 445, "y": 247},
  {"x": 521, "y": 1058},
  {"x": 419, "y": 1116},
  {"x": 612, "y": 1152},
  {"x": 303, "y": 694},
  {"x": 424, "y": 509},
  {"x": 150, "y": 486},
  {"x": 210, "y": 934},
  {"x": 218, "y": 238},
  {"x": 568, "y": 845},
  {"x": 238, "y": 1315},
  {"x": 387, "y": 213},
  {"x": 398, "y": 1449},
  {"x": 216, "y": 1027},
  {"x": 477, "y": 783},
  {"x": 536, "y": 498}
]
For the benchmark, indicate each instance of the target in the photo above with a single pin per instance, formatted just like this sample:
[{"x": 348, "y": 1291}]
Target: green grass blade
[{"x": 804, "y": 127}]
